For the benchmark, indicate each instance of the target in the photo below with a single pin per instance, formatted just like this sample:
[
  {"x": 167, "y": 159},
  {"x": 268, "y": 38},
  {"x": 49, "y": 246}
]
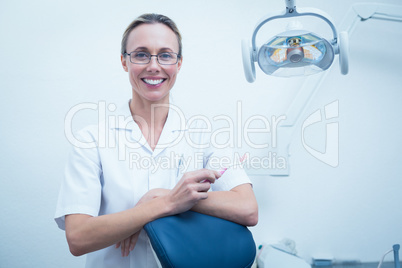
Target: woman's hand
[
  {"x": 191, "y": 188},
  {"x": 128, "y": 244}
]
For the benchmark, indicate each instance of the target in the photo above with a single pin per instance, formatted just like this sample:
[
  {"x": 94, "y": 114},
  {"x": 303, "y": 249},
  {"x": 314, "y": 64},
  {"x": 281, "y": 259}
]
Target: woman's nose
[{"x": 153, "y": 65}]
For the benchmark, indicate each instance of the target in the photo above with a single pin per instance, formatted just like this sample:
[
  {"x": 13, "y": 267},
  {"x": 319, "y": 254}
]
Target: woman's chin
[{"x": 157, "y": 97}]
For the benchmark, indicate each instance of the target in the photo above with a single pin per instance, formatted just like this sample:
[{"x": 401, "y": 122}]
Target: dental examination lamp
[{"x": 295, "y": 52}]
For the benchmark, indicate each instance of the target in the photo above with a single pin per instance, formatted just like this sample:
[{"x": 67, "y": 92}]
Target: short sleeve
[{"x": 80, "y": 191}]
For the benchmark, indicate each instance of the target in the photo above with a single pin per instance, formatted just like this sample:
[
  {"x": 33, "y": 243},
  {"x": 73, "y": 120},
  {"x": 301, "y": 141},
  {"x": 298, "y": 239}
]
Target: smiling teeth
[{"x": 153, "y": 82}]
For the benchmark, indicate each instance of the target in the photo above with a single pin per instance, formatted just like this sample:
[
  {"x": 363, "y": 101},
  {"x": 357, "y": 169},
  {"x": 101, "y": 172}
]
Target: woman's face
[{"x": 152, "y": 82}]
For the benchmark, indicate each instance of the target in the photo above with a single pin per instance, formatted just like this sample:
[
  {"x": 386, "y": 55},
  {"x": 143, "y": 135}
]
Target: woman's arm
[
  {"x": 238, "y": 205},
  {"x": 86, "y": 233}
]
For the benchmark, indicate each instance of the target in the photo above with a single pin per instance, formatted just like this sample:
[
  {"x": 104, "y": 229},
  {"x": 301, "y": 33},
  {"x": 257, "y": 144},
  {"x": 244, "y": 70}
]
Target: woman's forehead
[{"x": 152, "y": 37}]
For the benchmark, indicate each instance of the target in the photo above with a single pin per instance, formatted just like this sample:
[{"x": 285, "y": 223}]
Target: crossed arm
[{"x": 86, "y": 233}]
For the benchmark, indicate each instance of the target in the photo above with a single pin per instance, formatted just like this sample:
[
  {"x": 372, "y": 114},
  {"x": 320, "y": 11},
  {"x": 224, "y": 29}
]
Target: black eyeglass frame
[{"x": 150, "y": 57}]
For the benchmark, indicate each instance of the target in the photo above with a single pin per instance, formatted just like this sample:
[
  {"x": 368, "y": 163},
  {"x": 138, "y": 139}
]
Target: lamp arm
[
  {"x": 370, "y": 10},
  {"x": 265, "y": 19},
  {"x": 319, "y": 14},
  {"x": 290, "y": 5}
]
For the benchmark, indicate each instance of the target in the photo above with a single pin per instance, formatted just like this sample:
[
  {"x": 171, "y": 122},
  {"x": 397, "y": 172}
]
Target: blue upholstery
[{"x": 192, "y": 239}]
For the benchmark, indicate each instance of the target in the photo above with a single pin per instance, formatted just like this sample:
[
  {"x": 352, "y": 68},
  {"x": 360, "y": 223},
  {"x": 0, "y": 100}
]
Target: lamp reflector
[{"x": 295, "y": 53}]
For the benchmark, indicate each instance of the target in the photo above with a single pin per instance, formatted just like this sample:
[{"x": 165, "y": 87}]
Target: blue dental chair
[{"x": 196, "y": 240}]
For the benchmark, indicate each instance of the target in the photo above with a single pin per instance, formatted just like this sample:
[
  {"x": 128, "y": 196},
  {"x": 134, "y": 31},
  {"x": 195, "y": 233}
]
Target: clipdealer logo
[
  {"x": 331, "y": 154},
  {"x": 244, "y": 131}
]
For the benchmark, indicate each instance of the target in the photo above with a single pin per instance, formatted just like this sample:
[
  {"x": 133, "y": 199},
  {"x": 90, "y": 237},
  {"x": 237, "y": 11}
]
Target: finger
[
  {"x": 203, "y": 195},
  {"x": 196, "y": 175},
  {"x": 206, "y": 174},
  {"x": 203, "y": 187},
  {"x": 118, "y": 244},
  {"x": 217, "y": 175},
  {"x": 134, "y": 239},
  {"x": 127, "y": 246},
  {"x": 123, "y": 248}
]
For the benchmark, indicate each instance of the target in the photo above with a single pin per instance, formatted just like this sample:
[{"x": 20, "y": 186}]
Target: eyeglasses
[{"x": 164, "y": 58}]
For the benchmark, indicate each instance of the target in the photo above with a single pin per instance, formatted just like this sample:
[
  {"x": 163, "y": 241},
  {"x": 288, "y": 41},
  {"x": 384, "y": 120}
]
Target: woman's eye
[
  {"x": 165, "y": 56},
  {"x": 141, "y": 55}
]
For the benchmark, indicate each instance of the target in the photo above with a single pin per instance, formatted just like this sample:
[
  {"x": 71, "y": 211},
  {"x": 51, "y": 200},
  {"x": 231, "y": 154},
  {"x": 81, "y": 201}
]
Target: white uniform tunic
[{"x": 117, "y": 167}]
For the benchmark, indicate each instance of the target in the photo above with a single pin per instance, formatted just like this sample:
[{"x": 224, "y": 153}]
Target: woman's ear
[
  {"x": 179, "y": 63},
  {"x": 124, "y": 63}
]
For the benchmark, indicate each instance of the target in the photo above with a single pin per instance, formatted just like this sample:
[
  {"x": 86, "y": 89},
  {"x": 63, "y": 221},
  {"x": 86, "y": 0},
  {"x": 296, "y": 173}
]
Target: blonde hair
[{"x": 150, "y": 18}]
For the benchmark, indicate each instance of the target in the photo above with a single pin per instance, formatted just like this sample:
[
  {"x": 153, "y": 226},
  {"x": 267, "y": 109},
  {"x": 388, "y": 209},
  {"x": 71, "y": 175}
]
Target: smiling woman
[
  {"x": 105, "y": 200},
  {"x": 151, "y": 79}
]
